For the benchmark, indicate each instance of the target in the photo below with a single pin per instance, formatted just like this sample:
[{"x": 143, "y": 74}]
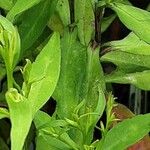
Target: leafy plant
[{"x": 53, "y": 49}]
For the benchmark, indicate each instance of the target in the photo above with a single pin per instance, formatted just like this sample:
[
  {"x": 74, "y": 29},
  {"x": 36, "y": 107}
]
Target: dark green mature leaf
[
  {"x": 84, "y": 16},
  {"x": 45, "y": 73},
  {"x": 20, "y": 6},
  {"x": 72, "y": 75},
  {"x": 132, "y": 44},
  {"x": 127, "y": 133},
  {"x": 139, "y": 79},
  {"x": 4, "y": 113},
  {"x": 30, "y": 30},
  {"x": 21, "y": 118},
  {"x": 135, "y": 19},
  {"x": 127, "y": 62}
]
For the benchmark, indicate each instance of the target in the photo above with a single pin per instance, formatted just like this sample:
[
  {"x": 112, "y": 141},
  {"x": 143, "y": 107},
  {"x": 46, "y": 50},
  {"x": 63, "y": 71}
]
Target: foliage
[{"x": 51, "y": 49}]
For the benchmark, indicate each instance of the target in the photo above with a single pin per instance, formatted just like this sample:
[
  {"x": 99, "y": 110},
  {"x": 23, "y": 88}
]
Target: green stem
[{"x": 9, "y": 78}]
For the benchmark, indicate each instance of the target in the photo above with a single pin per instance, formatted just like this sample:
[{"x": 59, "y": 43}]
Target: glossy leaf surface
[
  {"x": 45, "y": 73},
  {"x": 131, "y": 43},
  {"x": 139, "y": 79},
  {"x": 127, "y": 62},
  {"x": 127, "y": 133},
  {"x": 135, "y": 19}
]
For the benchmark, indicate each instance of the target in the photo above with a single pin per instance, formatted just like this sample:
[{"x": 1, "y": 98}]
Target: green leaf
[
  {"x": 50, "y": 134},
  {"x": 9, "y": 47},
  {"x": 131, "y": 43},
  {"x": 44, "y": 73},
  {"x": 26, "y": 70},
  {"x": 6, "y": 4},
  {"x": 63, "y": 10},
  {"x": 43, "y": 120},
  {"x": 84, "y": 17},
  {"x": 139, "y": 79},
  {"x": 127, "y": 62},
  {"x": 44, "y": 142},
  {"x": 81, "y": 78},
  {"x": 10, "y": 43},
  {"x": 4, "y": 113},
  {"x": 72, "y": 75},
  {"x": 30, "y": 30},
  {"x": 20, "y": 116},
  {"x": 95, "y": 86},
  {"x": 21, "y": 6},
  {"x": 127, "y": 133},
  {"x": 106, "y": 21},
  {"x": 135, "y": 19}
]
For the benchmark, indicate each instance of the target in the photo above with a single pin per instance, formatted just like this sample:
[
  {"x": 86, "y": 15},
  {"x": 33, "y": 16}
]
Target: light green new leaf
[
  {"x": 4, "y": 113},
  {"x": 9, "y": 47},
  {"x": 135, "y": 19},
  {"x": 127, "y": 62},
  {"x": 30, "y": 30},
  {"x": 20, "y": 116},
  {"x": 127, "y": 133},
  {"x": 139, "y": 79},
  {"x": 44, "y": 73},
  {"x": 63, "y": 10},
  {"x": 20, "y": 6},
  {"x": 84, "y": 17},
  {"x": 10, "y": 43},
  {"x": 131, "y": 43},
  {"x": 50, "y": 135}
]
